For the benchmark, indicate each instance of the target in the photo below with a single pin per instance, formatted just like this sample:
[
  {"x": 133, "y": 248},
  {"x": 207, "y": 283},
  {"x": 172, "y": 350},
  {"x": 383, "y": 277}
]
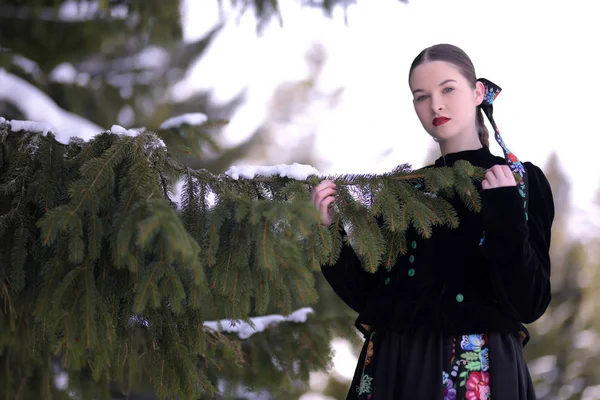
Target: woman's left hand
[{"x": 498, "y": 176}]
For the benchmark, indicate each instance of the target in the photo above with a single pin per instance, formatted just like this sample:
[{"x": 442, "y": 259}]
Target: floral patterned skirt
[{"x": 427, "y": 366}]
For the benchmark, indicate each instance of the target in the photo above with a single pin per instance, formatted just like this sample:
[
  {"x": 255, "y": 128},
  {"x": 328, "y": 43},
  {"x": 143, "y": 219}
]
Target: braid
[{"x": 484, "y": 135}]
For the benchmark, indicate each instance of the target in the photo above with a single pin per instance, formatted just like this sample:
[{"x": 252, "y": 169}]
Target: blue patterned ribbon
[{"x": 491, "y": 92}]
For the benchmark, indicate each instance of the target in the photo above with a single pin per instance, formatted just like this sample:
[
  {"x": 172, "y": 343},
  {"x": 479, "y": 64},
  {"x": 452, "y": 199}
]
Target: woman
[{"x": 447, "y": 321}]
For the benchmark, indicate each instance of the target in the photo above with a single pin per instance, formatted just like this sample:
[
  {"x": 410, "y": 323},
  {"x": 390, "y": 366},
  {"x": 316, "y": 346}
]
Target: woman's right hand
[{"x": 323, "y": 196}]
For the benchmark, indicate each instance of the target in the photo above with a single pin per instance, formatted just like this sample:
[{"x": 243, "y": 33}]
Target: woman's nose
[{"x": 436, "y": 104}]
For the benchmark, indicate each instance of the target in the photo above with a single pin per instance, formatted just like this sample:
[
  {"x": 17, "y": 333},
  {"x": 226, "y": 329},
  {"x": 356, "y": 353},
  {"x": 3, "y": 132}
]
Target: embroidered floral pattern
[
  {"x": 478, "y": 386},
  {"x": 515, "y": 166},
  {"x": 484, "y": 359},
  {"x": 366, "y": 381},
  {"x": 491, "y": 92},
  {"x": 469, "y": 378},
  {"x": 472, "y": 342},
  {"x": 449, "y": 389},
  {"x": 365, "y": 384}
]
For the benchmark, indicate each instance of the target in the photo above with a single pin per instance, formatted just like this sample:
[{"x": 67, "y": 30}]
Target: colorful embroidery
[
  {"x": 449, "y": 389},
  {"x": 472, "y": 342},
  {"x": 469, "y": 377},
  {"x": 478, "y": 386},
  {"x": 491, "y": 92},
  {"x": 516, "y": 167}
]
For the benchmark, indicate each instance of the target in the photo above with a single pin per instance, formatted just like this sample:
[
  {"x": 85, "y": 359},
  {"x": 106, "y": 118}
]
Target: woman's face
[{"x": 444, "y": 100}]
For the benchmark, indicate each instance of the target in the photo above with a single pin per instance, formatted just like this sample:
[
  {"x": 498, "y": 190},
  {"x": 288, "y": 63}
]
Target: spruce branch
[{"x": 118, "y": 279}]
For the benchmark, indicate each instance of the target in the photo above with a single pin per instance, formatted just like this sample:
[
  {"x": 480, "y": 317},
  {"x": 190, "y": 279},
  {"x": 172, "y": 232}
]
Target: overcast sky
[{"x": 541, "y": 52}]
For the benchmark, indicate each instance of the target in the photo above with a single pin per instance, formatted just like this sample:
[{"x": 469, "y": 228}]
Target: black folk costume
[{"x": 447, "y": 321}]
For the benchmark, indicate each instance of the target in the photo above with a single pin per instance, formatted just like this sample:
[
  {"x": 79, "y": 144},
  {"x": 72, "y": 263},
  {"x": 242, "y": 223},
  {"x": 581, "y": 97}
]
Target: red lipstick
[{"x": 440, "y": 121}]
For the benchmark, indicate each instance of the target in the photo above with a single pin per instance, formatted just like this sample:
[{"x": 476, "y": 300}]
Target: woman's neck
[{"x": 460, "y": 143}]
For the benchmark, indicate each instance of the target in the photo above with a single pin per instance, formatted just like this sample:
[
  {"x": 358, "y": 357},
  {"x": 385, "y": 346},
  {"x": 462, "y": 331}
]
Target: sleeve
[
  {"x": 348, "y": 279},
  {"x": 517, "y": 249}
]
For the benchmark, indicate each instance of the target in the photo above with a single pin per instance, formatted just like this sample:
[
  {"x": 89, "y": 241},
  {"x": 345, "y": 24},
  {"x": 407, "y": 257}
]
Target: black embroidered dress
[{"x": 447, "y": 321}]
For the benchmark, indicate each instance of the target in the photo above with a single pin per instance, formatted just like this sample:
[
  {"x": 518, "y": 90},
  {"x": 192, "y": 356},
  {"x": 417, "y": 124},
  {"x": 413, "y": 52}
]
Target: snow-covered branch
[
  {"x": 295, "y": 171},
  {"x": 245, "y": 330},
  {"x": 69, "y": 11},
  {"x": 31, "y": 126},
  {"x": 27, "y": 65},
  {"x": 67, "y": 74},
  {"x": 38, "y": 106},
  {"x": 190, "y": 119}
]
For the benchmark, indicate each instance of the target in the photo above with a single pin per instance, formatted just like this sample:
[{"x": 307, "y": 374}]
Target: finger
[
  {"x": 326, "y": 184},
  {"x": 325, "y": 193},
  {"x": 497, "y": 177},
  {"x": 485, "y": 185},
  {"x": 331, "y": 185},
  {"x": 498, "y": 171},
  {"x": 327, "y": 202},
  {"x": 504, "y": 175},
  {"x": 491, "y": 177},
  {"x": 508, "y": 173},
  {"x": 322, "y": 201},
  {"x": 326, "y": 205},
  {"x": 510, "y": 180}
]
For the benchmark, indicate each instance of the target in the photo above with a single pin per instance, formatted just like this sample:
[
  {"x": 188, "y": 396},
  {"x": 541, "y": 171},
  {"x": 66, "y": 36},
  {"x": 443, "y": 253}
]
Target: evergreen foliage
[
  {"x": 98, "y": 264},
  {"x": 107, "y": 62},
  {"x": 563, "y": 352}
]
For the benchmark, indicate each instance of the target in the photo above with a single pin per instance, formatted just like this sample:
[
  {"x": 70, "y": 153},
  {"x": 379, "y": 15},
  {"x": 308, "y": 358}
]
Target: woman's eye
[
  {"x": 448, "y": 90},
  {"x": 421, "y": 98}
]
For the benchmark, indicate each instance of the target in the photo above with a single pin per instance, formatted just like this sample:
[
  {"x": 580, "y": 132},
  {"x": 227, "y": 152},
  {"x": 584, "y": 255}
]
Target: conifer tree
[
  {"x": 100, "y": 267},
  {"x": 561, "y": 353},
  {"x": 98, "y": 73},
  {"x": 99, "y": 63}
]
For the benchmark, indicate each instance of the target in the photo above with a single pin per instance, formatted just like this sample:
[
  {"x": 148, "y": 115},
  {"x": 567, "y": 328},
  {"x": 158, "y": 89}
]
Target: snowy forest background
[{"x": 275, "y": 85}]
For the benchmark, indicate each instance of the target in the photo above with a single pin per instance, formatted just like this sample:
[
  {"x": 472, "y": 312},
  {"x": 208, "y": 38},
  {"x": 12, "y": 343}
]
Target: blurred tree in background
[
  {"x": 564, "y": 351},
  {"x": 108, "y": 62}
]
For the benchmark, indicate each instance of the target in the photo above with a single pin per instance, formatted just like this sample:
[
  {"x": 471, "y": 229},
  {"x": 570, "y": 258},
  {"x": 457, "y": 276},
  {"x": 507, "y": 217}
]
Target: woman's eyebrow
[{"x": 441, "y": 84}]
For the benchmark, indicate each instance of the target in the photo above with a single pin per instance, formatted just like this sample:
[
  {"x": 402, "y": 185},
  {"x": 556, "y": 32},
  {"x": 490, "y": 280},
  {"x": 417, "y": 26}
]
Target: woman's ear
[{"x": 479, "y": 92}]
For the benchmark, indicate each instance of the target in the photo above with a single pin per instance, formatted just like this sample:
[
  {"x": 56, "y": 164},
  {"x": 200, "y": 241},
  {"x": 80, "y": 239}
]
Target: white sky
[{"x": 541, "y": 52}]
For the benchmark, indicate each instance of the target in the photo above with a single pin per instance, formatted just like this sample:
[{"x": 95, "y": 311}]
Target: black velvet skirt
[{"x": 427, "y": 366}]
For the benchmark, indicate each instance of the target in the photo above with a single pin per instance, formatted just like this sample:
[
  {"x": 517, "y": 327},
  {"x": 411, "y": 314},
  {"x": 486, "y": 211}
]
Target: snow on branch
[
  {"x": 69, "y": 11},
  {"x": 295, "y": 171},
  {"x": 31, "y": 126},
  {"x": 38, "y": 106},
  {"x": 245, "y": 330},
  {"x": 66, "y": 73},
  {"x": 242, "y": 328},
  {"x": 119, "y": 130},
  {"x": 72, "y": 10},
  {"x": 190, "y": 119},
  {"x": 27, "y": 65}
]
